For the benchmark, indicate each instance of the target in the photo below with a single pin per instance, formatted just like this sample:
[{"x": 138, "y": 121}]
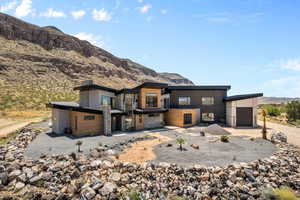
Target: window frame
[
  {"x": 102, "y": 100},
  {"x": 210, "y": 120},
  {"x": 207, "y": 104},
  {"x": 187, "y": 118},
  {"x": 152, "y": 103},
  {"x": 89, "y": 117},
  {"x": 186, "y": 104}
]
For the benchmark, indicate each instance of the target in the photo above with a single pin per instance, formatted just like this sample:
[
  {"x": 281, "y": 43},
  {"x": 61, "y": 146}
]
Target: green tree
[
  {"x": 78, "y": 144},
  {"x": 293, "y": 111},
  {"x": 181, "y": 142}
]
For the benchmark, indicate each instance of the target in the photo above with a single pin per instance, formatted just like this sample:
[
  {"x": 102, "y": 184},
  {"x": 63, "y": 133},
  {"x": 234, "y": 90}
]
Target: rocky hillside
[
  {"x": 276, "y": 100},
  {"x": 38, "y": 64}
]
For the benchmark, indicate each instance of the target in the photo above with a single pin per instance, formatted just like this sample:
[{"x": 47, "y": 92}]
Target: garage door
[{"x": 244, "y": 116}]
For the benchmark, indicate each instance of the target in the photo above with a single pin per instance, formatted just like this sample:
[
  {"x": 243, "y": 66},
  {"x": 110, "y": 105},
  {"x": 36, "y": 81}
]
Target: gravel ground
[
  {"x": 51, "y": 144},
  {"x": 212, "y": 152}
]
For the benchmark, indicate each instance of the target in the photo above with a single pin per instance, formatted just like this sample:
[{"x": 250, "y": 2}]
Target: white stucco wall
[
  {"x": 231, "y": 110},
  {"x": 60, "y": 120}
]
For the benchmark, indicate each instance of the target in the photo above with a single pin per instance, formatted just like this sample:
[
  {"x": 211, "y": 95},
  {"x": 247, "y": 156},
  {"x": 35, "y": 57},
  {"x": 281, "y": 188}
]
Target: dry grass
[
  {"x": 142, "y": 151},
  {"x": 25, "y": 114}
]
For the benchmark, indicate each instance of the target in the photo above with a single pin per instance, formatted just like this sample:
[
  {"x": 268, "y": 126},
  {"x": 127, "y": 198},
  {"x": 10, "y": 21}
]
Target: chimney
[{"x": 87, "y": 82}]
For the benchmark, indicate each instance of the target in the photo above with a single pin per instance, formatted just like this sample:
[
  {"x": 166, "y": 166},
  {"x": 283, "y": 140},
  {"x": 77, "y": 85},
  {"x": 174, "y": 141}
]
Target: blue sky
[{"x": 252, "y": 45}]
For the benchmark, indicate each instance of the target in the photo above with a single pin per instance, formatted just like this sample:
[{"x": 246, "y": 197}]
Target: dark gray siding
[{"x": 219, "y": 107}]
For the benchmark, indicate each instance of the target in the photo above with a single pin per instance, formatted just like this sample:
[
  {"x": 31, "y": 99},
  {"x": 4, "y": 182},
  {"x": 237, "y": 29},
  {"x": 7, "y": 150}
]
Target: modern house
[{"x": 103, "y": 110}]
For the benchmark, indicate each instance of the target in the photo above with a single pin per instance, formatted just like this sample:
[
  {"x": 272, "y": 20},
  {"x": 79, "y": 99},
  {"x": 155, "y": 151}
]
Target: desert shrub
[
  {"x": 224, "y": 138},
  {"x": 293, "y": 111},
  {"x": 132, "y": 195},
  {"x": 272, "y": 110},
  {"x": 282, "y": 193},
  {"x": 181, "y": 142}
]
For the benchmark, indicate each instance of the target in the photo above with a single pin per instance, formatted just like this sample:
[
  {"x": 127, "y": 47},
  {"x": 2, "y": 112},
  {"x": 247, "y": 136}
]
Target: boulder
[
  {"x": 19, "y": 186},
  {"x": 115, "y": 177},
  {"x": 88, "y": 193},
  {"x": 108, "y": 188},
  {"x": 277, "y": 137},
  {"x": 195, "y": 146}
]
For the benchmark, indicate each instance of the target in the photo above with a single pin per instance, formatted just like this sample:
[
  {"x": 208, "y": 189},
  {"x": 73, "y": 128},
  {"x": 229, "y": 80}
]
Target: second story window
[
  {"x": 151, "y": 100},
  {"x": 105, "y": 100},
  {"x": 184, "y": 100},
  {"x": 207, "y": 100}
]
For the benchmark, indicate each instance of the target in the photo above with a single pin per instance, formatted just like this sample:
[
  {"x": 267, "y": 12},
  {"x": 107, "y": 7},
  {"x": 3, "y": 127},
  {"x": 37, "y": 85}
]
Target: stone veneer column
[{"x": 106, "y": 120}]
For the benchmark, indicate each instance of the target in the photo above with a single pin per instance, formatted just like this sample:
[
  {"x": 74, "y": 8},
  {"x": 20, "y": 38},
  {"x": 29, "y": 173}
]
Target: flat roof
[
  {"x": 72, "y": 106},
  {"x": 243, "y": 96},
  {"x": 199, "y": 87},
  {"x": 95, "y": 87}
]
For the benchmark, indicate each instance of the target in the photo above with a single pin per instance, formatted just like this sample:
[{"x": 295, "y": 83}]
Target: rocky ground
[{"x": 100, "y": 176}]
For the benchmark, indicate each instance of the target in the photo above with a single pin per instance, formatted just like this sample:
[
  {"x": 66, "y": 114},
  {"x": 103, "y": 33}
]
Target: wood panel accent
[
  {"x": 175, "y": 117},
  {"x": 142, "y": 96},
  {"x": 86, "y": 127},
  {"x": 139, "y": 122}
]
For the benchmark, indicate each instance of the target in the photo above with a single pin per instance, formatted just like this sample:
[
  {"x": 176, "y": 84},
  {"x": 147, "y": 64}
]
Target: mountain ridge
[{"x": 42, "y": 64}]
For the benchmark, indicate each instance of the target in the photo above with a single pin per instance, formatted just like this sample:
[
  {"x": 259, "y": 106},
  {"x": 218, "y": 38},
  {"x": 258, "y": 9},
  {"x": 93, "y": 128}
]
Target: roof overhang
[
  {"x": 199, "y": 87},
  {"x": 242, "y": 96},
  {"x": 147, "y": 111},
  {"x": 152, "y": 85},
  {"x": 72, "y": 106}
]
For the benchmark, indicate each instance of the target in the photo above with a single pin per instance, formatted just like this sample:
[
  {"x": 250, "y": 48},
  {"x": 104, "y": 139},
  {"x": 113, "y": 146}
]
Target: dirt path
[
  {"x": 143, "y": 150},
  {"x": 292, "y": 133},
  {"x": 8, "y": 126}
]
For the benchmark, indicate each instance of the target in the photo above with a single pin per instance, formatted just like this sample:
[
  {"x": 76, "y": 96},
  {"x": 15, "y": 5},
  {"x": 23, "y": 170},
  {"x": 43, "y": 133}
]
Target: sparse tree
[
  {"x": 264, "y": 130},
  {"x": 79, "y": 143},
  {"x": 181, "y": 142}
]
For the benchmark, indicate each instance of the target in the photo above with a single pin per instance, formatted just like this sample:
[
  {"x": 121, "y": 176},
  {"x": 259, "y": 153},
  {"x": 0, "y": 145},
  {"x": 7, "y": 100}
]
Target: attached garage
[{"x": 241, "y": 110}]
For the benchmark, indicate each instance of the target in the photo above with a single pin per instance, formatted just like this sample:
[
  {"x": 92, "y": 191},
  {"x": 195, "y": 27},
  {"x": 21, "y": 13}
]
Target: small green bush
[
  {"x": 272, "y": 110},
  {"x": 224, "y": 138},
  {"x": 282, "y": 193},
  {"x": 181, "y": 142}
]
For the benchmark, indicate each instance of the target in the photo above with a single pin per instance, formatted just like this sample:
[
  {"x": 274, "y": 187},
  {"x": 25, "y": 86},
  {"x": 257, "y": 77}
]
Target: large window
[
  {"x": 208, "y": 117},
  {"x": 105, "y": 100},
  {"x": 184, "y": 100},
  {"x": 207, "y": 100},
  {"x": 151, "y": 100}
]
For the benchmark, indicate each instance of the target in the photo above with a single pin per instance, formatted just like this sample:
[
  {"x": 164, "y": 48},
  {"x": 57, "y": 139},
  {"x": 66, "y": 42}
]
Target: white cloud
[
  {"x": 53, "y": 13},
  {"x": 93, "y": 39},
  {"x": 292, "y": 64},
  {"x": 24, "y": 9},
  {"x": 8, "y": 6},
  {"x": 286, "y": 86},
  {"x": 145, "y": 8},
  {"x": 149, "y": 19},
  {"x": 140, "y": 1},
  {"x": 164, "y": 11},
  {"x": 101, "y": 15},
  {"x": 77, "y": 14}
]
